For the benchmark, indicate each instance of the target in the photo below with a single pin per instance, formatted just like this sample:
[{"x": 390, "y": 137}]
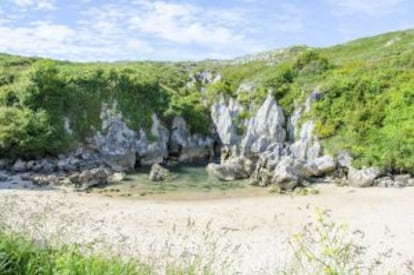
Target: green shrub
[
  {"x": 311, "y": 62},
  {"x": 24, "y": 132},
  {"x": 193, "y": 111},
  {"x": 324, "y": 247},
  {"x": 323, "y": 129}
]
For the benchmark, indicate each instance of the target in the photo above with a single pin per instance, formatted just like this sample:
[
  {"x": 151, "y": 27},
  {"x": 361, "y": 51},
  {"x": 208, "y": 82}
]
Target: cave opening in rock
[
  {"x": 216, "y": 151},
  {"x": 137, "y": 161}
]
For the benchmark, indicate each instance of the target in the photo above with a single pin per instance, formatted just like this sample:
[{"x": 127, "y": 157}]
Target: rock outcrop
[
  {"x": 78, "y": 181},
  {"x": 396, "y": 181},
  {"x": 307, "y": 145},
  {"x": 187, "y": 147},
  {"x": 43, "y": 166},
  {"x": 284, "y": 153},
  {"x": 115, "y": 142},
  {"x": 121, "y": 148},
  {"x": 264, "y": 129},
  {"x": 223, "y": 116},
  {"x": 205, "y": 77},
  {"x": 152, "y": 148}
]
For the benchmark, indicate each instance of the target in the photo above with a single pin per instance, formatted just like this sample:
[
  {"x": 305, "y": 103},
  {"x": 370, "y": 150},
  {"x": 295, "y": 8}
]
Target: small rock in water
[
  {"x": 117, "y": 176},
  {"x": 158, "y": 173}
]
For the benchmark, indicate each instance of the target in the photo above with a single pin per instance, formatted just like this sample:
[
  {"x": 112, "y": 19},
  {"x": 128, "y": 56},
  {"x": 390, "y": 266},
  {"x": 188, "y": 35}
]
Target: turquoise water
[
  {"x": 187, "y": 182},
  {"x": 187, "y": 177}
]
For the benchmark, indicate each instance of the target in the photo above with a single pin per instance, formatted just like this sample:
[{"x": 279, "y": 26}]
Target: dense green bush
[
  {"x": 24, "y": 131},
  {"x": 372, "y": 110},
  {"x": 190, "y": 105},
  {"x": 311, "y": 62}
]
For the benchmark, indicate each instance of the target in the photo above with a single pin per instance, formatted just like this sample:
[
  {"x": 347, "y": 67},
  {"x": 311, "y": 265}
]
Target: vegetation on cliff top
[{"x": 367, "y": 106}]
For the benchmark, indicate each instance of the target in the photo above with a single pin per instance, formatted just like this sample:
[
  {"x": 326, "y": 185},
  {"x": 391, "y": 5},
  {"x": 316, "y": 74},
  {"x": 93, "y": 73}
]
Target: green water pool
[{"x": 187, "y": 182}]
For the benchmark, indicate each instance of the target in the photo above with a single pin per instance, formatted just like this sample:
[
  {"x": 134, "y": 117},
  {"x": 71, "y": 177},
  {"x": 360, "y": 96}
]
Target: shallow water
[{"x": 187, "y": 182}]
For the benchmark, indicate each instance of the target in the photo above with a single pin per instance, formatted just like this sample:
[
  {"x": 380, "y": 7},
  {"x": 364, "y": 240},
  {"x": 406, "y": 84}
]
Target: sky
[{"x": 109, "y": 30}]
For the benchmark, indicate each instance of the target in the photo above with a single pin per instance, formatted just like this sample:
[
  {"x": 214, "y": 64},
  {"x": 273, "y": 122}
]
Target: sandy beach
[{"x": 246, "y": 235}]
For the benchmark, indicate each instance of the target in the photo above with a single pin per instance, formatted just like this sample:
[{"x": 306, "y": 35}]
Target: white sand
[{"x": 260, "y": 225}]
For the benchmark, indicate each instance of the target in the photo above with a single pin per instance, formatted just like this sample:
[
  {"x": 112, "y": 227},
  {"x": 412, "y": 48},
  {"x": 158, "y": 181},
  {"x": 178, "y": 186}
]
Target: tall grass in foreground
[
  {"x": 24, "y": 255},
  {"x": 19, "y": 255},
  {"x": 326, "y": 247}
]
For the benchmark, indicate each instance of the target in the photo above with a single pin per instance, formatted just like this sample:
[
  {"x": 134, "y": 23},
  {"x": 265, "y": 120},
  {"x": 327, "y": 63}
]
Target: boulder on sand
[
  {"x": 364, "y": 177},
  {"x": 237, "y": 168}
]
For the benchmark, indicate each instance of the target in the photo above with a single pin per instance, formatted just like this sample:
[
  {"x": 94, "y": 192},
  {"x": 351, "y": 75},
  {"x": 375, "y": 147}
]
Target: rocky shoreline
[{"x": 272, "y": 150}]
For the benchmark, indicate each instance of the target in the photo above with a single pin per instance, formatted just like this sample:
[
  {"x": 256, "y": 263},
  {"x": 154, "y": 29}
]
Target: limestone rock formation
[
  {"x": 285, "y": 161},
  {"x": 307, "y": 145},
  {"x": 223, "y": 116},
  {"x": 116, "y": 141},
  {"x": 119, "y": 146},
  {"x": 187, "y": 147},
  {"x": 153, "y": 149},
  {"x": 265, "y": 128}
]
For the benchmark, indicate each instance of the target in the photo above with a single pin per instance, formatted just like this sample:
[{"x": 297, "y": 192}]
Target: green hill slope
[{"x": 367, "y": 106}]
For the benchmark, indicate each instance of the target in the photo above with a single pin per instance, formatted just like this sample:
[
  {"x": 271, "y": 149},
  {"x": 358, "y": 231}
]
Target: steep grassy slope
[
  {"x": 368, "y": 95},
  {"x": 369, "y": 100},
  {"x": 367, "y": 106}
]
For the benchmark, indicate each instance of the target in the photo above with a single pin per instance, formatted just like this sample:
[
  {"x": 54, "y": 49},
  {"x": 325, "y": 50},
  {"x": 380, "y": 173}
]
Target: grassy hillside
[{"x": 367, "y": 106}]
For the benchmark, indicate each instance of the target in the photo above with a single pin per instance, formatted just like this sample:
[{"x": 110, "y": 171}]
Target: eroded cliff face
[
  {"x": 224, "y": 113},
  {"x": 123, "y": 148},
  {"x": 265, "y": 141},
  {"x": 265, "y": 129},
  {"x": 283, "y": 150},
  {"x": 187, "y": 147}
]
